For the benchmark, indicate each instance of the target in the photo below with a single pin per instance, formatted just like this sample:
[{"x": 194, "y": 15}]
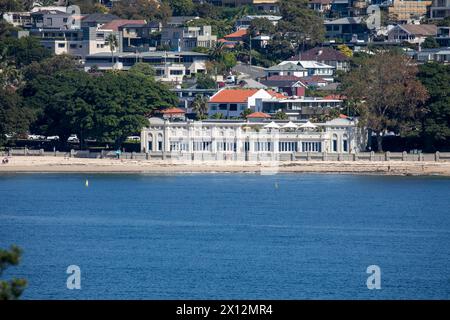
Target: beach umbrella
[
  {"x": 272, "y": 125},
  {"x": 308, "y": 125},
  {"x": 290, "y": 125}
]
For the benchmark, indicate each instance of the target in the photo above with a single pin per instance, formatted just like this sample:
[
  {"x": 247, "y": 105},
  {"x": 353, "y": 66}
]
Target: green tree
[
  {"x": 207, "y": 10},
  {"x": 300, "y": 23},
  {"x": 108, "y": 107},
  {"x": 430, "y": 43},
  {"x": 279, "y": 49},
  {"x": 89, "y": 6},
  {"x": 113, "y": 43},
  {"x": 10, "y": 5},
  {"x": 436, "y": 123},
  {"x": 144, "y": 69},
  {"x": 246, "y": 112},
  {"x": 280, "y": 115},
  {"x": 15, "y": 118},
  {"x": 53, "y": 98},
  {"x": 200, "y": 106},
  {"x": 181, "y": 7},
  {"x": 387, "y": 93},
  {"x": 217, "y": 116},
  {"x": 50, "y": 65},
  {"x": 204, "y": 81},
  {"x": 149, "y": 10},
  {"x": 261, "y": 26},
  {"x": 12, "y": 289},
  {"x": 23, "y": 51}
]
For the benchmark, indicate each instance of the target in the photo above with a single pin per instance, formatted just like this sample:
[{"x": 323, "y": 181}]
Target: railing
[{"x": 241, "y": 156}]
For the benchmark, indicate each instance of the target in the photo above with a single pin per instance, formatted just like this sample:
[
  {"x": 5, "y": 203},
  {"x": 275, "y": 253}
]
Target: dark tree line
[{"x": 51, "y": 95}]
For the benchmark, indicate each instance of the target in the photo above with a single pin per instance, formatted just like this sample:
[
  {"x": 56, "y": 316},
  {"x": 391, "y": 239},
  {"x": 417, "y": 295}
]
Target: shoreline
[{"x": 48, "y": 164}]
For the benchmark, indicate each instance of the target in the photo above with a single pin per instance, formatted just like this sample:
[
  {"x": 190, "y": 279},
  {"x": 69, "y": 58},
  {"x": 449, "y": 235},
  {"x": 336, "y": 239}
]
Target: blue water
[{"x": 228, "y": 236}]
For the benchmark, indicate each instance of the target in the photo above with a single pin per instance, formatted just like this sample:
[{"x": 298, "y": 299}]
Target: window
[
  {"x": 61, "y": 45},
  {"x": 160, "y": 142},
  {"x": 176, "y": 72},
  {"x": 233, "y": 107},
  {"x": 334, "y": 143},
  {"x": 222, "y": 106},
  {"x": 345, "y": 144}
]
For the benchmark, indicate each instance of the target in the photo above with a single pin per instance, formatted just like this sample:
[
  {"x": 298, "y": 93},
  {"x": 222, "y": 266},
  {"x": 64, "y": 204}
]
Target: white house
[
  {"x": 412, "y": 33},
  {"x": 287, "y": 68},
  {"x": 231, "y": 102},
  {"x": 314, "y": 68}
]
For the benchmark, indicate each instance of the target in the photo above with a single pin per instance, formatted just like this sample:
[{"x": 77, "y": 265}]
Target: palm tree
[
  {"x": 200, "y": 106},
  {"x": 217, "y": 51},
  {"x": 113, "y": 43}
]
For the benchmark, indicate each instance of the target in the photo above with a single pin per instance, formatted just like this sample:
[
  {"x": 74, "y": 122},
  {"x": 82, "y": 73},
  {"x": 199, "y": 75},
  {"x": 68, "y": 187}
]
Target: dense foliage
[{"x": 11, "y": 289}]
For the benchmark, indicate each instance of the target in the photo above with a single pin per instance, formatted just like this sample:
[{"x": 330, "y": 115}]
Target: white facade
[
  {"x": 315, "y": 68},
  {"x": 234, "y": 108},
  {"x": 240, "y": 139}
]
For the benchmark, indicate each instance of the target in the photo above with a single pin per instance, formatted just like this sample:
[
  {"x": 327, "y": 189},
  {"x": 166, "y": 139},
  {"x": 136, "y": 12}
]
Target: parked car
[
  {"x": 35, "y": 137},
  {"x": 134, "y": 138},
  {"x": 52, "y": 138},
  {"x": 73, "y": 139},
  {"x": 230, "y": 79}
]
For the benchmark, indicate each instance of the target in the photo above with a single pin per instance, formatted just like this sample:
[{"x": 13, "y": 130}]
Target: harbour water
[{"x": 228, "y": 236}]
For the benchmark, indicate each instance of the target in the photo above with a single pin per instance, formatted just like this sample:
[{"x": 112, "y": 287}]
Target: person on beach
[{"x": 118, "y": 152}]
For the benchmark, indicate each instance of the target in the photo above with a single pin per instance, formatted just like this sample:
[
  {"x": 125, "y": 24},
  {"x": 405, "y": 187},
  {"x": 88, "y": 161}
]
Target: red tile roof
[
  {"x": 238, "y": 34},
  {"x": 172, "y": 111},
  {"x": 276, "y": 94},
  {"x": 115, "y": 24},
  {"x": 233, "y": 95},
  {"x": 258, "y": 115}
]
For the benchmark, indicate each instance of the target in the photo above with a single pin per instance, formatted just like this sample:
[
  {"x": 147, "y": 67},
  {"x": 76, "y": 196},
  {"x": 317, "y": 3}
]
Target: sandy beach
[{"x": 60, "y": 164}]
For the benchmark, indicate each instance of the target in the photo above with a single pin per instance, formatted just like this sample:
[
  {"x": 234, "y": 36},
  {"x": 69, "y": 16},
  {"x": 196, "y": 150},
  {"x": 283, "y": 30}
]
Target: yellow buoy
[{"x": 87, "y": 183}]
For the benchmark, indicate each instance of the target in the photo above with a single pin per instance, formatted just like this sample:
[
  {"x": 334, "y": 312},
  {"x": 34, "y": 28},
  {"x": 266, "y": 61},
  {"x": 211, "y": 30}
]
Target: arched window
[
  {"x": 150, "y": 142},
  {"x": 160, "y": 142},
  {"x": 345, "y": 143},
  {"x": 334, "y": 146}
]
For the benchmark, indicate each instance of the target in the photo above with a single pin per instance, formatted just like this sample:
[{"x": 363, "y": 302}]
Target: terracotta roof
[
  {"x": 238, "y": 34},
  {"x": 276, "y": 94},
  {"x": 228, "y": 43},
  {"x": 233, "y": 95},
  {"x": 321, "y": 54},
  {"x": 172, "y": 111},
  {"x": 115, "y": 24},
  {"x": 258, "y": 115},
  {"x": 343, "y": 116}
]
